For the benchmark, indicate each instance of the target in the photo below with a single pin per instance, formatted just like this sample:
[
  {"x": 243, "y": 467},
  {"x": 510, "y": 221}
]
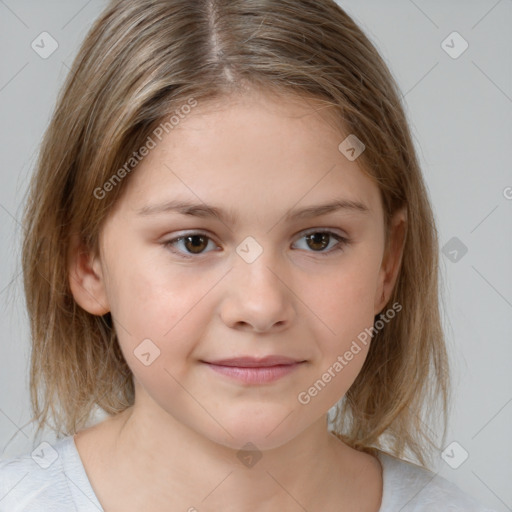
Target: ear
[
  {"x": 86, "y": 279},
  {"x": 391, "y": 260}
]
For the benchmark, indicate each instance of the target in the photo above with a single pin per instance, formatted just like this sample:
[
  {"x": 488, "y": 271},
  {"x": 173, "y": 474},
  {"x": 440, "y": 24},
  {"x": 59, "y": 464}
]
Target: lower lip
[{"x": 259, "y": 375}]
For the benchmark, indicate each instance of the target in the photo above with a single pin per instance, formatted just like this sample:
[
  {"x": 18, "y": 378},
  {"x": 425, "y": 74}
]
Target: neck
[{"x": 170, "y": 463}]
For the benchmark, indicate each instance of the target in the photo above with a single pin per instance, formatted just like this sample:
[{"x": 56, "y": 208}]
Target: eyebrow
[{"x": 205, "y": 211}]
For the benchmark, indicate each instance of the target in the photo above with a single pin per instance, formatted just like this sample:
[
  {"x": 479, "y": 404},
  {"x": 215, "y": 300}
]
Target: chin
[{"x": 265, "y": 432}]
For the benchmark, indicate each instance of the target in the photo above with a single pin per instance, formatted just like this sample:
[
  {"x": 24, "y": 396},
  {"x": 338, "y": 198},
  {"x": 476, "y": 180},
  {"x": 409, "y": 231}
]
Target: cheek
[
  {"x": 344, "y": 305},
  {"x": 343, "y": 337},
  {"x": 154, "y": 296},
  {"x": 344, "y": 300},
  {"x": 165, "y": 307}
]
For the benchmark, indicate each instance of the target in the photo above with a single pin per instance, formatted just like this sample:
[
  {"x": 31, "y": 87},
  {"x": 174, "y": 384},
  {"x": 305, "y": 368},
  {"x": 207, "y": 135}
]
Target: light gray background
[{"x": 460, "y": 113}]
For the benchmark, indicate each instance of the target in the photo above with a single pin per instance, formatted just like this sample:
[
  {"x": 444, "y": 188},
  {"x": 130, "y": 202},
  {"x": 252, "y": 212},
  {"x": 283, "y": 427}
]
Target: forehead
[{"x": 258, "y": 150}]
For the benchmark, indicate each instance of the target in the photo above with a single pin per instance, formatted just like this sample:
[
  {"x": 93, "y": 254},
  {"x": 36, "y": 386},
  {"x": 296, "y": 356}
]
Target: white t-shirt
[{"x": 53, "y": 479}]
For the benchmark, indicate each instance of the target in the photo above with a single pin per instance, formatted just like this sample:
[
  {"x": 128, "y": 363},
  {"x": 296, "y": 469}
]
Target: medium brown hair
[{"x": 143, "y": 60}]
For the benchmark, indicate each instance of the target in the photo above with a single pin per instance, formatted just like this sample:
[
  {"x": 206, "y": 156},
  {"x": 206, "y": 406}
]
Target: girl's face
[{"x": 256, "y": 268}]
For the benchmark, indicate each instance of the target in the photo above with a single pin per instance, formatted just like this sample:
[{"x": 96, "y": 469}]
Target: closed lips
[{"x": 251, "y": 362}]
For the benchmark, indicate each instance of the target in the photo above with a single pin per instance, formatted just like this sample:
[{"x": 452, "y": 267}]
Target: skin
[{"x": 258, "y": 156}]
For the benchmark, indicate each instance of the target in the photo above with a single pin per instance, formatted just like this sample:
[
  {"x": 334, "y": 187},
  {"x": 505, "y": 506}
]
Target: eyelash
[{"x": 342, "y": 242}]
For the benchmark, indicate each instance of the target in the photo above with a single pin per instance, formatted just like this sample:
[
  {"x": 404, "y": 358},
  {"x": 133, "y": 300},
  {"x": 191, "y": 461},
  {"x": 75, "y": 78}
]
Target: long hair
[{"x": 145, "y": 62}]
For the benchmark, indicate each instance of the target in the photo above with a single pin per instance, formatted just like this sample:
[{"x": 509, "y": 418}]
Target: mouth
[{"x": 251, "y": 370}]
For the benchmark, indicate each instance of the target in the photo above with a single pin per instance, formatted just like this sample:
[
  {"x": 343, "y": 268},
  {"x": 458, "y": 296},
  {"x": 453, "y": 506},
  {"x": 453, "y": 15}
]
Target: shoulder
[
  {"x": 37, "y": 481},
  {"x": 412, "y": 488}
]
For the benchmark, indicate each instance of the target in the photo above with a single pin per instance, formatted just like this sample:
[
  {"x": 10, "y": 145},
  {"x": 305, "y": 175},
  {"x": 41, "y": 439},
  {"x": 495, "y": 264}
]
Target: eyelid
[
  {"x": 169, "y": 243},
  {"x": 309, "y": 231},
  {"x": 342, "y": 241}
]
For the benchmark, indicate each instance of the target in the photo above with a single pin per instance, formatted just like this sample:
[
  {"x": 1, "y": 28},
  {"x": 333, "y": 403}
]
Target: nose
[{"x": 257, "y": 296}]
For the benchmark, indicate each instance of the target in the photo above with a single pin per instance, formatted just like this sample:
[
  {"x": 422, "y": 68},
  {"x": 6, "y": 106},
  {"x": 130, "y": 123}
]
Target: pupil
[
  {"x": 195, "y": 245},
  {"x": 321, "y": 238},
  {"x": 195, "y": 242}
]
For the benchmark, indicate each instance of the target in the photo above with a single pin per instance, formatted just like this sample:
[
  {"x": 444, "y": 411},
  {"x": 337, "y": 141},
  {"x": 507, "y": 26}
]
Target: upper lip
[{"x": 248, "y": 361}]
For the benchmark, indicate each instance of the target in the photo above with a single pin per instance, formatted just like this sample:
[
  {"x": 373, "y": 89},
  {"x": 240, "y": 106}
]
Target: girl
[{"x": 228, "y": 237}]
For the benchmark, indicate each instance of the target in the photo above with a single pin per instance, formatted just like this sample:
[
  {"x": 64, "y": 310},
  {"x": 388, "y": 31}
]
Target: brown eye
[
  {"x": 191, "y": 244},
  {"x": 195, "y": 243},
  {"x": 318, "y": 241}
]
